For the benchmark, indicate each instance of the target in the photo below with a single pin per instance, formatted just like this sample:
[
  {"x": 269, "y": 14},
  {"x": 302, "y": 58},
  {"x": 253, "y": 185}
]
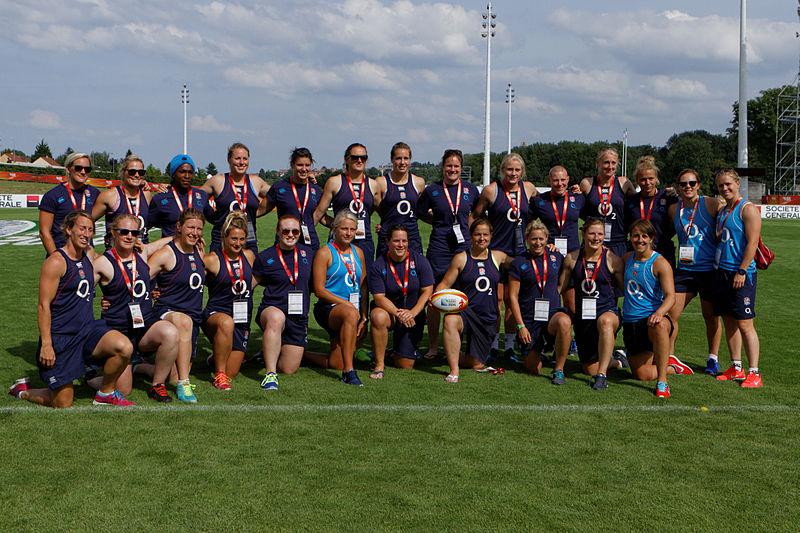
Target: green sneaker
[
  {"x": 185, "y": 393},
  {"x": 270, "y": 381}
]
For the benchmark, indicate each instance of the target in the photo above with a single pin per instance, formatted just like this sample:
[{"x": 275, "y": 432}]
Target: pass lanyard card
[
  {"x": 295, "y": 306},
  {"x": 686, "y": 254},
  {"x": 588, "y": 308},
  {"x": 295, "y": 297},
  {"x": 561, "y": 244},
  {"x": 541, "y": 310},
  {"x": 137, "y": 319},
  {"x": 240, "y": 314},
  {"x": 454, "y": 209}
]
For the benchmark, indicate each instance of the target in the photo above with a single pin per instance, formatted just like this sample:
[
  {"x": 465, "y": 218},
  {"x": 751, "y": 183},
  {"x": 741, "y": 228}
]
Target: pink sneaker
[
  {"x": 115, "y": 398},
  {"x": 680, "y": 368},
  {"x": 732, "y": 374},
  {"x": 19, "y": 385}
]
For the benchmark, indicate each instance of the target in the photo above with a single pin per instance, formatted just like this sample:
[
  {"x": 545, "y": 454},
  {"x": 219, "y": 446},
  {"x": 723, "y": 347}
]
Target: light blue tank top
[
  {"x": 700, "y": 236},
  {"x": 337, "y": 279},
  {"x": 643, "y": 294},
  {"x": 732, "y": 239}
]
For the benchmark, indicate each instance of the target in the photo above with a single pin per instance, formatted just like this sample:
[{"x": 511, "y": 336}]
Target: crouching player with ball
[{"x": 69, "y": 336}]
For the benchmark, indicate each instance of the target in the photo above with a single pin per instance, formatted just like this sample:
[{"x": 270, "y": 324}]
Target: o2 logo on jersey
[
  {"x": 482, "y": 284},
  {"x": 511, "y": 215},
  {"x": 356, "y": 207},
  {"x": 139, "y": 289},
  {"x": 632, "y": 288},
  {"x": 726, "y": 235},
  {"x": 239, "y": 288},
  {"x": 83, "y": 289},
  {"x": 234, "y": 206},
  {"x": 195, "y": 281},
  {"x": 403, "y": 207},
  {"x": 692, "y": 231},
  {"x": 589, "y": 288},
  {"x": 606, "y": 209}
]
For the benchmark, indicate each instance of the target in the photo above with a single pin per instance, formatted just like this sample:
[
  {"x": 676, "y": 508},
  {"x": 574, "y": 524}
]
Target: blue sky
[{"x": 106, "y": 76}]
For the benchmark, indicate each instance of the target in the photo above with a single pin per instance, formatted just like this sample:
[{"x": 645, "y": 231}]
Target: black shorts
[
  {"x": 406, "y": 340},
  {"x": 587, "y": 337},
  {"x": 697, "y": 282},
  {"x": 636, "y": 336},
  {"x": 478, "y": 334},
  {"x": 740, "y": 304},
  {"x": 539, "y": 335},
  {"x": 73, "y": 352},
  {"x": 295, "y": 329}
]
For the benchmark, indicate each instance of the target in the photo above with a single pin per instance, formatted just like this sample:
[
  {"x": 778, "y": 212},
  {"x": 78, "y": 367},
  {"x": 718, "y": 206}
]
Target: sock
[
  {"x": 496, "y": 341},
  {"x": 104, "y": 394},
  {"x": 712, "y": 356},
  {"x": 737, "y": 364},
  {"x": 182, "y": 381},
  {"x": 753, "y": 370},
  {"x": 510, "y": 341}
]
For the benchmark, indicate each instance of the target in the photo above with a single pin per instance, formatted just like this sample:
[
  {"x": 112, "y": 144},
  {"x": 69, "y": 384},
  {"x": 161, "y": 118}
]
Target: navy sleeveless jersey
[
  {"x": 382, "y": 280},
  {"x": 222, "y": 292},
  {"x": 602, "y": 289},
  {"x": 657, "y": 208},
  {"x": 275, "y": 279},
  {"x": 228, "y": 201},
  {"x": 282, "y": 197},
  {"x": 72, "y": 308},
  {"x": 164, "y": 211},
  {"x": 521, "y": 269},
  {"x": 479, "y": 280},
  {"x": 559, "y": 225},
  {"x": 613, "y": 214},
  {"x": 505, "y": 218},
  {"x": 118, "y": 315},
  {"x": 61, "y": 201},
  {"x": 399, "y": 207},
  {"x": 181, "y": 289},
  {"x": 128, "y": 206}
]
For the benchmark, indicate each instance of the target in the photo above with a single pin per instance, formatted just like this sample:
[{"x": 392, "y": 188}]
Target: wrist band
[{"x": 520, "y": 326}]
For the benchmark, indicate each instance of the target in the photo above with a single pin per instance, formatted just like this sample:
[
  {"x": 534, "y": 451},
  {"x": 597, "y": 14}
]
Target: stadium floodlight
[
  {"x": 488, "y": 32},
  {"x": 184, "y": 101},
  {"x": 742, "y": 141},
  {"x": 509, "y": 101}
]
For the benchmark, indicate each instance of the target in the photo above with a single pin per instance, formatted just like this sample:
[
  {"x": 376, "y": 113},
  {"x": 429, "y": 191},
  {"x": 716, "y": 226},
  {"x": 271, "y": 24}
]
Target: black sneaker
[
  {"x": 622, "y": 357},
  {"x": 351, "y": 378},
  {"x": 600, "y": 382},
  {"x": 159, "y": 393}
]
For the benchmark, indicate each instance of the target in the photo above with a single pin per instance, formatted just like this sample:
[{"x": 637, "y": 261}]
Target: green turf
[{"x": 505, "y": 452}]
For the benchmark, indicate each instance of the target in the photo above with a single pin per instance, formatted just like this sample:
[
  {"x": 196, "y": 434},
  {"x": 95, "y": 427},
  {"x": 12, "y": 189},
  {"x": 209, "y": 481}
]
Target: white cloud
[
  {"x": 207, "y": 123},
  {"x": 533, "y": 104},
  {"x": 39, "y": 118},
  {"x": 676, "y": 88}
]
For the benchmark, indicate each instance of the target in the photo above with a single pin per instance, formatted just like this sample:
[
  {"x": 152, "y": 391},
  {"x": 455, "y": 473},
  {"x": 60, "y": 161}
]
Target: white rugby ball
[{"x": 449, "y": 300}]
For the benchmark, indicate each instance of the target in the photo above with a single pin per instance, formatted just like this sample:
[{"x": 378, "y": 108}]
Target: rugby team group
[{"x": 518, "y": 254}]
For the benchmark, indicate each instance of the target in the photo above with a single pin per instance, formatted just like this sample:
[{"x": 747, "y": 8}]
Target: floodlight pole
[
  {"x": 509, "y": 101},
  {"x": 742, "y": 142},
  {"x": 184, "y": 101},
  {"x": 488, "y": 32}
]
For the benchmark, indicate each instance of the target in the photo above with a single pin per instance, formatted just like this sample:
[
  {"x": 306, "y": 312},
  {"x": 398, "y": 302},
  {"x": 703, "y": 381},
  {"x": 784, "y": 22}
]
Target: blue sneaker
[
  {"x": 186, "y": 392},
  {"x": 558, "y": 378},
  {"x": 573, "y": 347},
  {"x": 270, "y": 381},
  {"x": 712, "y": 366},
  {"x": 351, "y": 378}
]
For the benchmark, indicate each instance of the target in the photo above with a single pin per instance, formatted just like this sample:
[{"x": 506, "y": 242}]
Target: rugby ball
[{"x": 449, "y": 300}]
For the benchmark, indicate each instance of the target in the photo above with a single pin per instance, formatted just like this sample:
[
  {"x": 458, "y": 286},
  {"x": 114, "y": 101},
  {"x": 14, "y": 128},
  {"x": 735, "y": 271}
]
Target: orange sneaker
[
  {"x": 222, "y": 381},
  {"x": 752, "y": 381},
  {"x": 732, "y": 374}
]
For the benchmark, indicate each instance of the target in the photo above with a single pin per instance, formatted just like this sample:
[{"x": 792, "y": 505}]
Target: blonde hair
[
  {"x": 514, "y": 157},
  {"x": 234, "y": 220},
  {"x": 74, "y": 156},
  {"x": 536, "y": 225},
  {"x": 123, "y": 217},
  {"x": 128, "y": 160},
  {"x": 726, "y": 172},
  {"x": 646, "y": 162},
  {"x": 341, "y": 215}
]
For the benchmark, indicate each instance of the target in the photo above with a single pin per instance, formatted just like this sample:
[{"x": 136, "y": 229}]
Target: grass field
[{"x": 505, "y": 452}]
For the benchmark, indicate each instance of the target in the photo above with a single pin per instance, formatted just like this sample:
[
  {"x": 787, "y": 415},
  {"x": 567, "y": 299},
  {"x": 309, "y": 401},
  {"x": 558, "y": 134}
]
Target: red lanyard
[
  {"x": 351, "y": 273},
  {"x": 128, "y": 203},
  {"x": 297, "y": 199},
  {"x": 641, "y": 208},
  {"x": 458, "y": 198},
  {"x": 516, "y": 207},
  {"x": 543, "y": 281},
  {"x": 72, "y": 199},
  {"x": 605, "y": 200},
  {"x": 292, "y": 280},
  {"x": 404, "y": 285},
  {"x": 596, "y": 266},
  {"x": 178, "y": 200},
  {"x": 360, "y": 198},
  {"x": 128, "y": 281},
  {"x": 242, "y": 203},
  {"x": 724, "y": 220},
  {"x": 560, "y": 222},
  {"x": 691, "y": 218},
  {"x": 229, "y": 265}
]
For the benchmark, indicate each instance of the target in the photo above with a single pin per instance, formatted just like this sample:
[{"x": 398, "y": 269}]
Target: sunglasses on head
[
  {"x": 134, "y": 171},
  {"x": 125, "y": 231},
  {"x": 691, "y": 183},
  {"x": 356, "y": 157},
  {"x": 80, "y": 168},
  {"x": 293, "y": 231}
]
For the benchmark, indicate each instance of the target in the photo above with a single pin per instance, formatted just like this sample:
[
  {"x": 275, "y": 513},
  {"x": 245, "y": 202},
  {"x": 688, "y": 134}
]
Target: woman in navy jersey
[
  {"x": 340, "y": 284},
  {"x": 297, "y": 196},
  {"x": 166, "y": 207},
  {"x": 355, "y": 192},
  {"x": 605, "y": 199},
  {"x": 693, "y": 222},
  {"x": 236, "y": 191},
  {"x": 591, "y": 270},
  {"x": 396, "y": 199},
  {"x": 226, "y": 318},
  {"x": 738, "y": 230},
  {"x": 535, "y": 301},
  {"x": 559, "y": 210},
  {"x": 447, "y": 205},
  {"x": 69, "y": 336},
  {"x": 124, "y": 278},
  {"x": 401, "y": 282},
  {"x": 649, "y": 295},
  {"x": 130, "y": 197},
  {"x": 475, "y": 272},
  {"x": 285, "y": 272},
  {"x": 72, "y": 195},
  {"x": 179, "y": 272},
  {"x": 652, "y": 204}
]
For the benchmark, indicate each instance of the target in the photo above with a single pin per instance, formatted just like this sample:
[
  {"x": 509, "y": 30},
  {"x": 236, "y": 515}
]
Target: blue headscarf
[{"x": 177, "y": 161}]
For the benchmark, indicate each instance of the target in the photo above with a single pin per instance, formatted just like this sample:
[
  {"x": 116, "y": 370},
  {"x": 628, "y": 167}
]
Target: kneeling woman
[
  {"x": 401, "y": 282},
  {"x": 339, "y": 283},
  {"x": 535, "y": 302},
  {"x": 226, "y": 318},
  {"x": 285, "y": 272},
  {"x": 649, "y": 295},
  {"x": 476, "y": 272},
  {"x": 124, "y": 278}
]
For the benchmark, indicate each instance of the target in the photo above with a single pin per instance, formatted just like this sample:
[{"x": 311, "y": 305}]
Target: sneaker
[
  {"x": 752, "y": 381},
  {"x": 222, "y": 381},
  {"x": 159, "y": 393},
  {"x": 573, "y": 347},
  {"x": 732, "y": 374},
  {"x": 115, "y": 398},
  {"x": 510, "y": 353},
  {"x": 558, "y": 378},
  {"x": 19, "y": 385},
  {"x": 662, "y": 390},
  {"x": 622, "y": 357},
  {"x": 680, "y": 368},
  {"x": 600, "y": 382},
  {"x": 270, "y": 381},
  {"x": 351, "y": 378},
  {"x": 186, "y": 392},
  {"x": 494, "y": 354},
  {"x": 712, "y": 366}
]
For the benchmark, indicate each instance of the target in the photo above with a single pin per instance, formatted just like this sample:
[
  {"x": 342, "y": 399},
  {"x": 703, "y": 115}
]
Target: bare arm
[
  {"x": 513, "y": 300},
  {"x": 163, "y": 260},
  {"x": 319, "y": 268},
  {"x": 455, "y": 268},
  {"x": 752, "y": 230},
  {"x": 53, "y": 268},
  {"x": 105, "y": 203},
  {"x": 663, "y": 271},
  {"x": 627, "y": 187},
  {"x": 566, "y": 271},
  {"x": 45, "y": 225},
  {"x": 213, "y": 185},
  {"x": 586, "y": 186},
  {"x": 486, "y": 198},
  {"x": 321, "y": 211}
]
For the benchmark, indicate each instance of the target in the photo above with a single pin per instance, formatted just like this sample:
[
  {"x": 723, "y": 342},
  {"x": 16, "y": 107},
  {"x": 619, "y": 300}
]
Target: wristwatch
[{"x": 741, "y": 271}]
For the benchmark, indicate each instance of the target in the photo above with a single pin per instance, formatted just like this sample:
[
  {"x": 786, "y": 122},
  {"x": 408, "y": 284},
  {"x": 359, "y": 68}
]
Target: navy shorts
[
  {"x": 241, "y": 332},
  {"x": 295, "y": 329},
  {"x": 636, "y": 336},
  {"x": 697, "y": 282},
  {"x": 740, "y": 304},
  {"x": 73, "y": 352},
  {"x": 322, "y": 312},
  {"x": 539, "y": 335},
  {"x": 478, "y": 334},
  {"x": 405, "y": 340},
  {"x": 587, "y": 337}
]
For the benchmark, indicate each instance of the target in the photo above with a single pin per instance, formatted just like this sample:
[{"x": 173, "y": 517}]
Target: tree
[
  {"x": 100, "y": 160},
  {"x": 63, "y": 157},
  {"x": 152, "y": 172},
  {"x": 41, "y": 150},
  {"x": 211, "y": 169},
  {"x": 128, "y": 154}
]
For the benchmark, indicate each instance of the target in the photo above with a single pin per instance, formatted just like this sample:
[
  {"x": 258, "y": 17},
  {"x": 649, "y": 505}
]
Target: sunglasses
[
  {"x": 692, "y": 183},
  {"x": 293, "y": 231},
  {"x": 357, "y": 157},
  {"x": 134, "y": 171},
  {"x": 124, "y": 232},
  {"x": 80, "y": 168}
]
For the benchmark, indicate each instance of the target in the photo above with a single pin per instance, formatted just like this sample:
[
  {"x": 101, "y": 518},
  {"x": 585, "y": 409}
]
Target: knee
[
  {"x": 380, "y": 318},
  {"x": 563, "y": 324},
  {"x": 183, "y": 322},
  {"x": 352, "y": 317},
  {"x": 273, "y": 319},
  {"x": 120, "y": 346},
  {"x": 170, "y": 334}
]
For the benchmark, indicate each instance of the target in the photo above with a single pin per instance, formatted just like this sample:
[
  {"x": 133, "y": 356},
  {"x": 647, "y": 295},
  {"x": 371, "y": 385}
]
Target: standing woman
[
  {"x": 401, "y": 282},
  {"x": 396, "y": 199},
  {"x": 560, "y": 211},
  {"x": 693, "y": 219},
  {"x": 734, "y": 284},
  {"x": 476, "y": 272},
  {"x": 352, "y": 191},
  {"x": 128, "y": 198},
  {"x": 339, "y": 283},
  {"x": 166, "y": 207},
  {"x": 72, "y": 195},
  {"x": 236, "y": 191},
  {"x": 180, "y": 274},
  {"x": 447, "y": 205},
  {"x": 653, "y": 205},
  {"x": 226, "y": 318},
  {"x": 296, "y": 196},
  {"x": 285, "y": 272}
]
